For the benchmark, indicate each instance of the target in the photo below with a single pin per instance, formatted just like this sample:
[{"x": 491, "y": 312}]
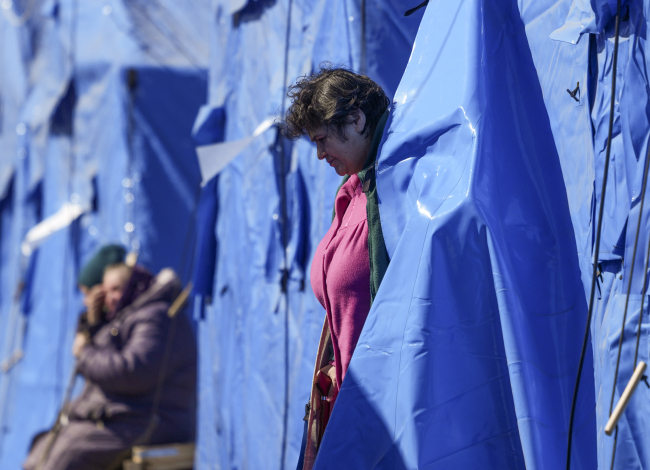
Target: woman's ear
[{"x": 359, "y": 121}]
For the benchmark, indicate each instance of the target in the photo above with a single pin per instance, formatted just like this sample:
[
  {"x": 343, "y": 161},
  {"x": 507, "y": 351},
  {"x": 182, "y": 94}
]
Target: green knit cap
[{"x": 93, "y": 272}]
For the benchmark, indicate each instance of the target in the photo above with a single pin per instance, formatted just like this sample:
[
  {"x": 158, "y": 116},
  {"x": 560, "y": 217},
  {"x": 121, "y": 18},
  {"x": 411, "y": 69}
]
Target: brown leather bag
[{"x": 327, "y": 392}]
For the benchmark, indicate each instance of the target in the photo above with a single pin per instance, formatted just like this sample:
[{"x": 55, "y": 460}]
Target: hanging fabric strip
[{"x": 214, "y": 158}]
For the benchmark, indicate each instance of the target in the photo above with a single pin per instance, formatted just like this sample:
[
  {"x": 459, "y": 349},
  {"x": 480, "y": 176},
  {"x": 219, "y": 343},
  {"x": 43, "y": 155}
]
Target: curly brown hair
[{"x": 327, "y": 97}]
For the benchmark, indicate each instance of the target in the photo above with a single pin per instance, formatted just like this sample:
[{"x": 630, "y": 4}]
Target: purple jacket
[{"x": 122, "y": 367}]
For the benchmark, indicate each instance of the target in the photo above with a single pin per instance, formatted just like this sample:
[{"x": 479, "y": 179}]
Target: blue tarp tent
[
  {"x": 489, "y": 179},
  {"x": 469, "y": 354},
  {"x": 92, "y": 117},
  {"x": 582, "y": 43},
  {"x": 478, "y": 54}
]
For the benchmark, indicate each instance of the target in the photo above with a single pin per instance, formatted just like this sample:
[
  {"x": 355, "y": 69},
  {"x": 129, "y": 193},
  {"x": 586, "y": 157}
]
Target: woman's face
[
  {"x": 346, "y": 157},
  {"x": 114, "y": 281}
]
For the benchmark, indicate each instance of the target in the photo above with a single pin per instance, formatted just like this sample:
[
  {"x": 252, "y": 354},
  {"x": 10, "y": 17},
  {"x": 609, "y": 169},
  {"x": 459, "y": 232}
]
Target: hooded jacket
[{"x": 122, "y": 366}]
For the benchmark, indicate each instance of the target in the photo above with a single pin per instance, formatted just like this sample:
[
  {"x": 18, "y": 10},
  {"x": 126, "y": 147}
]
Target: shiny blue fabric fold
[{"x": 469, "y": 354}]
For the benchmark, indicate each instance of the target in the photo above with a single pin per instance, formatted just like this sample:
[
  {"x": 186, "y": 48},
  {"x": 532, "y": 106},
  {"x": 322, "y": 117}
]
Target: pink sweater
[{"x": 340, "y": 273}]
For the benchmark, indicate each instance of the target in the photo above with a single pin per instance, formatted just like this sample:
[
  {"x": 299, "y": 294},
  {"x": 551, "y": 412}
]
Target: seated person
[{"x": 122, "y": 371}]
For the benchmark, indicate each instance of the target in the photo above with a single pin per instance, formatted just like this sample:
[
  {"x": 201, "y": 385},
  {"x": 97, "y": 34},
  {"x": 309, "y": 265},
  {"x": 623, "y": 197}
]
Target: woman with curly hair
[{"x": 344, "y": 114}]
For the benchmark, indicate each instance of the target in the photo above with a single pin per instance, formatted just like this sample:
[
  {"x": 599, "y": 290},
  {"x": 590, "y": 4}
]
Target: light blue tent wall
[
  {"x": 16, "y": 57},
  {"x": 497, "y": 288},
  {"x": 13, "y": 89},
  {"x": 622, "y": 206},
  {"x": 24, "y": 149},
  {"x": 582, "y": 43},
  {"x": 127, "y": 158},
  {"x": 45, "y": 320}
]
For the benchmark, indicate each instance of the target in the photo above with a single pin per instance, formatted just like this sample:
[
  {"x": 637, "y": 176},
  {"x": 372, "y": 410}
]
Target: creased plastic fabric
[
  {"x": 582, "y": 155},
  {"x": 72, "y": 133},
  {"x": 622, "y": 206},
  {"x": 489, "y": 179},
  {"x": 259, "y": 334},
  {"x": 469, "y": 354}
]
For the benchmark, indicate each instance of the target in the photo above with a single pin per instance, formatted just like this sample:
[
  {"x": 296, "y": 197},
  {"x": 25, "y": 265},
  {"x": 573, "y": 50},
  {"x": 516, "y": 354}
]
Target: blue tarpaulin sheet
[
  {"x": 469, "y": 353},
  {"x": 85, "y": 136},
  {"x": 156, "y": 169},
  {"x": 583, "y": 44},
  {"x": 489, "y": 179}
]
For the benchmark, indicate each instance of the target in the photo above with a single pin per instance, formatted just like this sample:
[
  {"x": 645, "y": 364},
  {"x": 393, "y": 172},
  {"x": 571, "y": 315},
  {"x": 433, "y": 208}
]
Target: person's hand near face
[
  {"x": 93, "y": 300},
  {"x": 94, "y": 303},
  {"x": 347, "y": 156}
]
